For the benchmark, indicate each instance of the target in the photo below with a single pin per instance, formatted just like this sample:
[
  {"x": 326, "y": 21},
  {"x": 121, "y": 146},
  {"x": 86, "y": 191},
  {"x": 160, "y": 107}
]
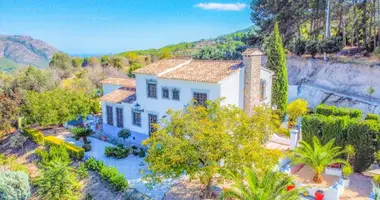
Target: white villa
[{"x": 136, "y": 104}]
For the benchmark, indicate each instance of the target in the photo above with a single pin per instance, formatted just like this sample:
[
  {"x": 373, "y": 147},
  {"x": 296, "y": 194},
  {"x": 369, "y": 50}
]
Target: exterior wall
[
  {"x": 267, "y": 77},
  {"x": 137, "y": 135},
  {"x": 230, "y": 89},
  {"x": 160, "y": 106},
  {"x": 107, "y": 88}
]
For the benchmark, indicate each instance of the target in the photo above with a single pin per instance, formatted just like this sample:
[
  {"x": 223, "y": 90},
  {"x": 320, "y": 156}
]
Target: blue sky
[{"x": 110, "y": 26}]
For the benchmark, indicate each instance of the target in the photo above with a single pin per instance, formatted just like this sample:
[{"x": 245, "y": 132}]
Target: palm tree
[
  {"x": 318, "y": 156},
  {"x": 271, "y": 186},
  {"x": 82, "y": 133}
]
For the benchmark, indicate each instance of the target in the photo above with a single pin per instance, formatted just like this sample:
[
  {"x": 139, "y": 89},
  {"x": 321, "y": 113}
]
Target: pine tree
[{"x": 277, "y": 63}]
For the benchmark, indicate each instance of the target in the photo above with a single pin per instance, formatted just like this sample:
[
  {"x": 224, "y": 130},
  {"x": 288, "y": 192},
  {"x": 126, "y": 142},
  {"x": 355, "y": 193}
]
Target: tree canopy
[
  {"x": 186, "y": 143},
  {"x": 356, "y": 22},
  {"x": 56, "y": 106}
]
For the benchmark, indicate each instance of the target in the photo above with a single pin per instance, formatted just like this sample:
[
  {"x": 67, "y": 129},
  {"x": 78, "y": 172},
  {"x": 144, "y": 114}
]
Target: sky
[{"x": 112, "y": 26}]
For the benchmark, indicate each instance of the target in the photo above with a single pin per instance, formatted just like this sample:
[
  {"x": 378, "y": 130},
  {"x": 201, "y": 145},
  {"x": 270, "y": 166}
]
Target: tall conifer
[{"x": 277, "y": 62}]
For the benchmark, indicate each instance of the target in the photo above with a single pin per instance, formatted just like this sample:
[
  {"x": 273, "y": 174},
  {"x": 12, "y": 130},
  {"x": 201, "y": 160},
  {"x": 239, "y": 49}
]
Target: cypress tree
[{"x": 277, "y": 62}]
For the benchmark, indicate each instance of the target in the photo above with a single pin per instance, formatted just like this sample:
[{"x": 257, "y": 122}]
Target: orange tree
[{"x": 201, "y": 141}]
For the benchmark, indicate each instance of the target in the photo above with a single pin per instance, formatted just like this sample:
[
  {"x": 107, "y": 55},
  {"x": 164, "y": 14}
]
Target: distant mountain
[{"x": 24, "y": 50}]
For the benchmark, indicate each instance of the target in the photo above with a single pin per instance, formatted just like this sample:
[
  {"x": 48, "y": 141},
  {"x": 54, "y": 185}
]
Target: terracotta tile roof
[
  {"x": 125, "y": 82},
  {"x": 252, "y": 52},
  {"x": 160, "y": 66},
  {"x": 211, "y": 71},
  {"x": 119, "y": 95}
]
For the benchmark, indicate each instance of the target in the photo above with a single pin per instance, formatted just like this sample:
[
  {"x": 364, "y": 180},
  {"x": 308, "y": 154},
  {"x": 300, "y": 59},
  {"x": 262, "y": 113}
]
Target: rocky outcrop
[
  {"x": 333, "y": 83},
  {"x": 25, "y": 50}
]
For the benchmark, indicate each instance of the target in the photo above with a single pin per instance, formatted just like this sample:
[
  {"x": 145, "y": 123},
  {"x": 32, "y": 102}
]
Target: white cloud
[{"x": 222, "y": 6}]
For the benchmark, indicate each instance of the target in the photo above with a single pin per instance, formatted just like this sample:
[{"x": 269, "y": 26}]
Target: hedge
[
  {"x": 362, "y": 134},
  {"x": 75, "y": 152},
  {"x": 372, "y": 117},
  {"x": 36, "y": 136},
  {"x": 326, "y": 110},
  {"x": 110, "y": 174}
]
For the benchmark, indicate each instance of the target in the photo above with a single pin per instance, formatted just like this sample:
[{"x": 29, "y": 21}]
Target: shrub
[
  {"x": 93, "y": 164},
  {"x": 135, "y": 152},
  {"x": 124, "y": 133},
  {"x": 326, "y": 110},
  {"x": 347, "y": 171},
  {"x": 141, "y": 153},
  {"x": 75, "y": 152},
  {"x": 361, "y": 135},
  {"x": 312, "y": 126},
  {"x": 10, "y": 161},
  {"x": 298, "y": 46},
  {"x": 296, "y": 109},
  {"x": 330, "y": 45},
  {"x": 335, "y": 127},
  {"x": 86, "y": 147},
  {"x": 88, "y": 197},
  {"x": 17, "y": 141},
  {"x": 34, "y": 135},
  {"x": 115, "y": 178},
  {"x": 377, "y": 156},
  {"x": 311, "y": 47},
  {"x": 82, "y": 171},
  {"x": 116, "y": 152},
  {"x": 376, "y": 180},
  {"x": 55, "y": 153},
  {"x": 58, "y": 181},
  {"x": 109, "y": 174},
  {"x": 14, "y": 185},
  {"x": 372, "y": 117}
]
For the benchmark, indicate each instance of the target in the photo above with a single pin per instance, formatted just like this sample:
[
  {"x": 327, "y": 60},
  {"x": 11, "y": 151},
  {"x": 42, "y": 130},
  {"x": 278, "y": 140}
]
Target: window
[
  {"x": 200, "y": 98},
  {"x": 152, "y": 90},
  {"x": 136, "y": 118},
  {"x": 263, "y": 85},
  {"x": 175, "y": 94},
  {"x": 165, "y": 93},
  {"x": 119, "y": 117},
  {"x": 109, "y": 115},
  {"x": 152, "y": 123}
]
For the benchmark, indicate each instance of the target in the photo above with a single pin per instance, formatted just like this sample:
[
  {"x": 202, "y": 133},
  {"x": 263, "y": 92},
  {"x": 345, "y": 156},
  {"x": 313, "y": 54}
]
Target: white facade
[{"x": 231, "y": 88}]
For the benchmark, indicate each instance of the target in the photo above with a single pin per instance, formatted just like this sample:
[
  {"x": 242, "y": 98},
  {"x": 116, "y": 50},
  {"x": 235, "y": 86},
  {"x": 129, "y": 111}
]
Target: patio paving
[
  {"x": 132, "y": 167},
  {"x": 359, "y": 189}
]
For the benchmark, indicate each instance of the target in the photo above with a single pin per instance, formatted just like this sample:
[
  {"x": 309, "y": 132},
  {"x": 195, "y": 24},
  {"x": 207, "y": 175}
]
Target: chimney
[{"x": 252, "y": 60}]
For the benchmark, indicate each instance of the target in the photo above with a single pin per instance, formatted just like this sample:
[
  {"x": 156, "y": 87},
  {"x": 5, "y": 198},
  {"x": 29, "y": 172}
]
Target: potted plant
[
  {"x": 319, "y": 195},
  {"x": 347, "y": 171},
  {"x": 376, "y": 186}
]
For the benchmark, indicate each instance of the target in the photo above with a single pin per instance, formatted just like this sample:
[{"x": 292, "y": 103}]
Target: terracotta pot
[
  {"x": 290, "y": 187},
  {"x": 319, "y": 195}
]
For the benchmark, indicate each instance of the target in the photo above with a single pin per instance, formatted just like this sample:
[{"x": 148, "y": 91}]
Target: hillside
[
  {"x": 18, "y": 50},
  {"x": 221, "y": 47}
]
